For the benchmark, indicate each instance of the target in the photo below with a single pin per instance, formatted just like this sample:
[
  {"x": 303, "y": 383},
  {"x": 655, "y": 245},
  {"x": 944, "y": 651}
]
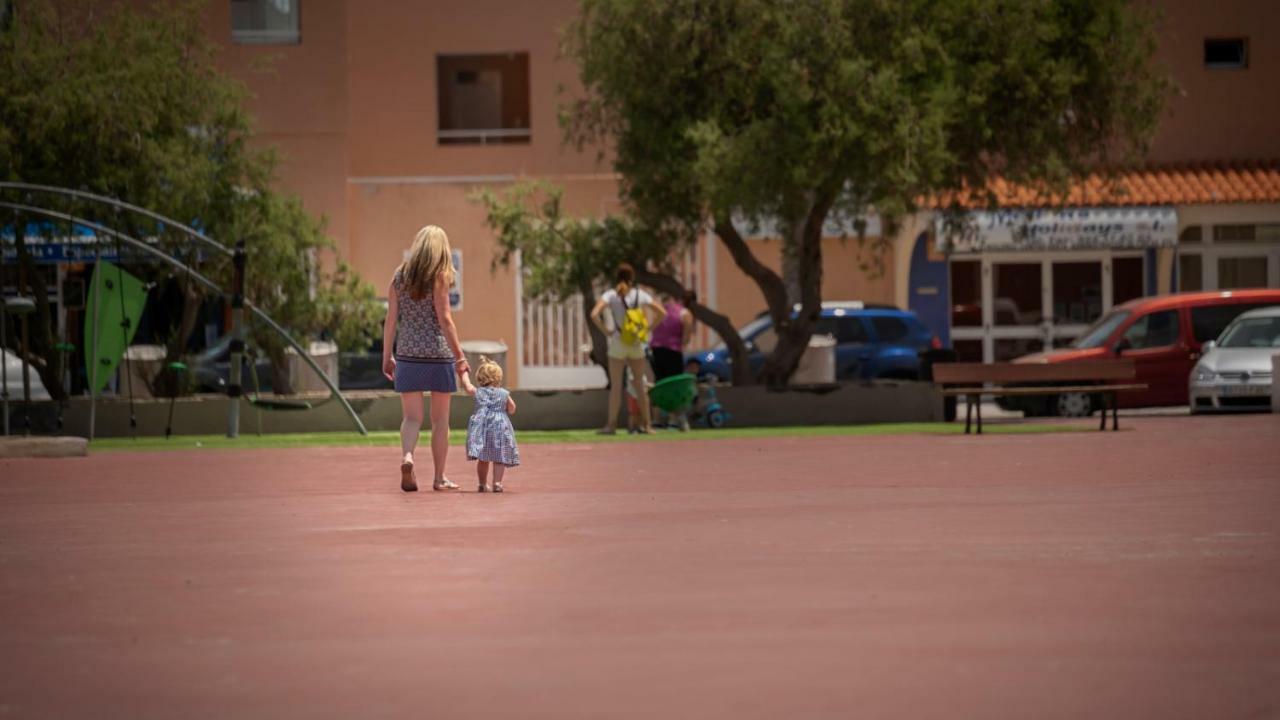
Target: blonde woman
[
  {"x": 427, "y": 355},
  {"x": 624, "y": 296}
]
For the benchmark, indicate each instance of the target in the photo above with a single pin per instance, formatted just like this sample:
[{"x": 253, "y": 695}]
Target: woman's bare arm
[
  {"x": 595, "y": 315},
  {"x": 389, "y": 332},
  {"x": 686, "y": 327},
  {"x": 659, "y": 312},
  {"x": 444, "y": 316}
]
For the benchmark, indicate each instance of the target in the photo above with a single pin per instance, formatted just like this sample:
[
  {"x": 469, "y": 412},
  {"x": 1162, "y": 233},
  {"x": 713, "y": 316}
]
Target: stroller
[{"x": 679, "y": 393}]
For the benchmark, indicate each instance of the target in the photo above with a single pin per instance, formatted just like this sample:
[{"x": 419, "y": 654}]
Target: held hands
[
  {"x": 464, "y": 370},
  {"x": 389, "y": 367}
]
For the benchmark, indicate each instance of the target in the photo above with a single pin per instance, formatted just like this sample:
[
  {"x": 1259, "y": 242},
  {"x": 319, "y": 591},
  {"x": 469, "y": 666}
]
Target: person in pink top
[{"x": 670, "y": 338}]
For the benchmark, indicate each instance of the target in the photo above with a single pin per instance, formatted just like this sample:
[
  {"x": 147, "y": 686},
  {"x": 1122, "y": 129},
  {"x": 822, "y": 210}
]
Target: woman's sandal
[
  {"x": 444, "y": 484},
  {"x": 408, "y": 482}
]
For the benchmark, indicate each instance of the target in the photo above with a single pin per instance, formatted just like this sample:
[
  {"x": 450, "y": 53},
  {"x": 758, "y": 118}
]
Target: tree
[
  {"x": 798, "y": 113},
  {"x": 564, "y": 256},
  {"x": 130, "y": 104}
]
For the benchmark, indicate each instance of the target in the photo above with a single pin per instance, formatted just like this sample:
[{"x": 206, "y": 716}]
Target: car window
[
  {"x": 1101, "y": 330},
  {"x": 825, "y": 326},
  {"x": 889, "y": 329},
  {"x": 1159, "y": 329},
  {"x": 851, "y": 330},
  {"x": 1258, "y": 332},
  {"x": 1208, "y": 321}
]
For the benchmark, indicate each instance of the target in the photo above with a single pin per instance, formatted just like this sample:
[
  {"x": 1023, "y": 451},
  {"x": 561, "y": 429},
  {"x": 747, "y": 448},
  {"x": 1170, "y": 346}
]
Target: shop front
[{"x": 1023, "y": 281}]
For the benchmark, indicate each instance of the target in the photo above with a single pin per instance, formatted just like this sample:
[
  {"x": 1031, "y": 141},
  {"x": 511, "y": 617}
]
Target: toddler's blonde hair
[
  {"x": 489, "y": 374},
  {"x": 429, "y": 258}
]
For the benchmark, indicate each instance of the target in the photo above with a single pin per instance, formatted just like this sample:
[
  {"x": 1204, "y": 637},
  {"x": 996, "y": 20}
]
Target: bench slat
[
  {"x": 1049, "y": 390},
  {"x": 1003, "y": 373}
]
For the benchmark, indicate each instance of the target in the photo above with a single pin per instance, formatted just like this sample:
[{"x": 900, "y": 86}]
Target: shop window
[
  {"x": 966, "y": 293},
  {"x": 483, "y": 99},
  {"x": 1246, "y": 233},
  {"x": 1242, "y": 272},
  {"x": 1191, "y": 235},
  {"x": 968, "y": 350},
  {"x": 1159, "y": 329},
  {"x": 1077, "y": 292},
  {"x": 1127, "y": 281},
  {"x": 265, "y": 22},
  {"x": 1017, "y": 294},
  {"x": 1007, "y": 349},
  {"x": 1190, "y": 273},
  {"x": 1226, "y": 53}
]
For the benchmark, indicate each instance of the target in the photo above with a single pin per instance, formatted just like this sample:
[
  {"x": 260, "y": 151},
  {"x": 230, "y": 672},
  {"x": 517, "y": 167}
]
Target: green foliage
[
  {"x": 797, "y": 112},
  {"x": 754, "y": 106},
  {"x": 102, "y": 97}
]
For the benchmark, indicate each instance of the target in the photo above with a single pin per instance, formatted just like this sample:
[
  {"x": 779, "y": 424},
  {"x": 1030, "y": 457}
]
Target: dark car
[{"x": 872, "y": 342}]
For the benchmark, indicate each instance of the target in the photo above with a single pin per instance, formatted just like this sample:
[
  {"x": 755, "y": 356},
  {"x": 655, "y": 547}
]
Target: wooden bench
[{"x": 973, "y": 380}]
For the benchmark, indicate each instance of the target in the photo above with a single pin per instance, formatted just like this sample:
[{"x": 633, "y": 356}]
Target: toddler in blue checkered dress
[{"x": 490, "y": 437}]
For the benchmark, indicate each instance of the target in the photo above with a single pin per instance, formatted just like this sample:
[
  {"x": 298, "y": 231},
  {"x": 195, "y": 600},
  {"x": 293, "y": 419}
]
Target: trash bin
[
  {"x": 143, "y": 364},
  {"x": 302, "y": 377},
  {"x": 927, "y": 360},
  {"x": 818, "y": 363},
  {"x": 492, "y": 349}
]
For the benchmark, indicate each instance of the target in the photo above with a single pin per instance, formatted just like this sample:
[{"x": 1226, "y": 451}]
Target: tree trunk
[
  {"x": 281, "y": 382},
  {"x": 740, "y": 366},
  {"x": 599, "y": 343},
  {"x": 793, "y": 336}
]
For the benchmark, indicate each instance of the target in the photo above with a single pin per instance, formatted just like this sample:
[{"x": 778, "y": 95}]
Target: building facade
[{"x": 388, "y": 115}]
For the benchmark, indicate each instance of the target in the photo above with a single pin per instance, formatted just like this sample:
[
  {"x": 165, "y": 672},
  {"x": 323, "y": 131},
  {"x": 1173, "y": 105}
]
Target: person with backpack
[{"x": 629, "y": 308}]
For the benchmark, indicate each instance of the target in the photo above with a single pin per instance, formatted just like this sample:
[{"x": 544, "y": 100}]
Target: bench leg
[
  {"x": 1115, "y": 413},
  {"x": 968, "y": 413},
  {"x": 978, "y": 402},
  {"x": 1102, "y": 424}
]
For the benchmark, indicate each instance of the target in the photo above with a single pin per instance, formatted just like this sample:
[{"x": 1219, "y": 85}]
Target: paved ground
[{"x": 1117, "y": 575}]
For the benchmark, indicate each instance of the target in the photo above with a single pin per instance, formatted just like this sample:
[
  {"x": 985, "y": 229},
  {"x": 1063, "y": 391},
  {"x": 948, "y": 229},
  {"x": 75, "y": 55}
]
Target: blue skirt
[{"x": 425, "y": 375}]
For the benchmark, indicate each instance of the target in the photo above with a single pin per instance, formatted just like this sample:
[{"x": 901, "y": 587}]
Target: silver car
[{"x": 1235, "y": 371}]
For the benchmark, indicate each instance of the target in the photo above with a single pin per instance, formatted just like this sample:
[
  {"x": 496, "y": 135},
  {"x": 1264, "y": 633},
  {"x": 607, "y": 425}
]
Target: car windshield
[
  {"x": 1254, "y": 332},
  {"x": 746, "y": 332},
  {"x": 1096, "y": 335}
]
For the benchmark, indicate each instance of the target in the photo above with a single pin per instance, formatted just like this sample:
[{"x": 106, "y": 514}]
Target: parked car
[
  {"x": 1235, "y": 371},
  {"x": 872, "y": 342},
  {"x": 13, "y": 365},
  {"x": 1163, "y": 335},
  {"x": 211, "y": 367}
]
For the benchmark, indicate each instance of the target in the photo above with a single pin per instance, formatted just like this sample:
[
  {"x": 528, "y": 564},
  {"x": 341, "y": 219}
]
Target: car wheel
[{"x": 1074, "y": 404}]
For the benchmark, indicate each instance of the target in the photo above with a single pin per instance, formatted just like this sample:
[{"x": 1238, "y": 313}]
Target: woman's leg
[
  {"x": 615, "y": 392},
  {"x": 638, "y": 366},
  {"x": 411, "y": 425},
  {"x": 440, "y": 433}
]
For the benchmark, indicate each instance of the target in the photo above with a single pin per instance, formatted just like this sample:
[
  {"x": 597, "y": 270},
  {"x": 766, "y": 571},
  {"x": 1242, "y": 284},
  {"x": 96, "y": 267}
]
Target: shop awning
[{"x": 1081, "y": 228}]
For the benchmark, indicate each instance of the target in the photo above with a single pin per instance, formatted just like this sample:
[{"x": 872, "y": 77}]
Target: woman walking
[
  {"x": 427, "y": 355},
  {"x": 627, "y": 304}
]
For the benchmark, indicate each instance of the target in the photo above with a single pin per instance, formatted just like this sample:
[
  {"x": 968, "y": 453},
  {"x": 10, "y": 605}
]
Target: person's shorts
[{"x": 619, "y": 350}]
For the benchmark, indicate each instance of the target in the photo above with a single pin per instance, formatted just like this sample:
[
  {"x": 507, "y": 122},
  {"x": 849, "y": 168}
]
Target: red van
[{"x": 1161, "y": 334}]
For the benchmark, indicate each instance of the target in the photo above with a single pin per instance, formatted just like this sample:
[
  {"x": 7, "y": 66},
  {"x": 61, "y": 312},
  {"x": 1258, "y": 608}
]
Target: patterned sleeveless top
[{"x": 418, "y": 332}]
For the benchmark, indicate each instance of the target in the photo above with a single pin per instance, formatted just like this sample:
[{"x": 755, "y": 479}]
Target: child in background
[{"x": 490, "y": 437}]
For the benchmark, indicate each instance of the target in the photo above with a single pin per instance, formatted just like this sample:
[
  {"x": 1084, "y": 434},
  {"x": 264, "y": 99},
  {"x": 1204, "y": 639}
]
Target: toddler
[{"x": 490, "y": 437}]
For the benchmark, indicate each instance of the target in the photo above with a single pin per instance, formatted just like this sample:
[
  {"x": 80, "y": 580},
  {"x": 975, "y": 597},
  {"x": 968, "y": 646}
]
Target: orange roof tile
[{"x": 1183, "y": 184}]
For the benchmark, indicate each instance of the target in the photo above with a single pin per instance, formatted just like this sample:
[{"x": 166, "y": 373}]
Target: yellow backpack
[{"x": 635, "y": 324}]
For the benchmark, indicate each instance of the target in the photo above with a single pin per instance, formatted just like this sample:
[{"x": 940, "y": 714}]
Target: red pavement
[{"x": 1084, "y": 575}]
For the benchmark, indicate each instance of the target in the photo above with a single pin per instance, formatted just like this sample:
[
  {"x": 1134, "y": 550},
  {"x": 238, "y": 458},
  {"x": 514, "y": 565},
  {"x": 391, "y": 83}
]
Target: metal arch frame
[{"x": 174, "y": 262}]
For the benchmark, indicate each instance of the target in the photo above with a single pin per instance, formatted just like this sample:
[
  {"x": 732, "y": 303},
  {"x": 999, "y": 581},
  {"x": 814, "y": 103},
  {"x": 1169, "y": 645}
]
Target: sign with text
[{"x": 1113, "y": 228}]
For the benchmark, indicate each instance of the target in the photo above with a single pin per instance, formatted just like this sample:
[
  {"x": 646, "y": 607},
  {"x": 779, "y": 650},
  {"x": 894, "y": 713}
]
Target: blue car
[{"x": 872, "y": 342}]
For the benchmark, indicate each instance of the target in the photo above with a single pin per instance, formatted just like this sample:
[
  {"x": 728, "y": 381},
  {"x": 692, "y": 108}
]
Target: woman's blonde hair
[
  {"x": 429, "y": 258},
  {"x": 489, "y": 374}
]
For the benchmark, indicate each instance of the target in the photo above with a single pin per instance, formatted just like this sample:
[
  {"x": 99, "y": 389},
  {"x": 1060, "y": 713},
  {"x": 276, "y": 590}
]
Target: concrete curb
[{"x": 43, "y": 447}]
